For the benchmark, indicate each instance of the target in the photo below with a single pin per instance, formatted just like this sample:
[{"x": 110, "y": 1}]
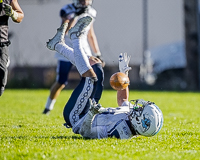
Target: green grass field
[{"x": 27, "y": 134}]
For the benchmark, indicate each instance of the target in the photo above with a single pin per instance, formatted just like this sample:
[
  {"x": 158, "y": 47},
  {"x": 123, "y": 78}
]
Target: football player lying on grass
[{"x": 82, "y": 112}]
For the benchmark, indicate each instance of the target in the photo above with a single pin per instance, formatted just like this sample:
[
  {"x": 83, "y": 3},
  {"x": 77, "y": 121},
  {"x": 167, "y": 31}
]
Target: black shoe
[{"x": 46, "y": 111}]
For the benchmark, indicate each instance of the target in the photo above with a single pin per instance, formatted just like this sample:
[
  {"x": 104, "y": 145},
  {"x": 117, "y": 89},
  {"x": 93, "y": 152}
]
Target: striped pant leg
[{"x": 77, "y": 106}]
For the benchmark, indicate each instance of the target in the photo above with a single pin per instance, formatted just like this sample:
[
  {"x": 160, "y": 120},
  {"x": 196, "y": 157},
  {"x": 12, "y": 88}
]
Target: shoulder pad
[{"x": 92, "y": 12}]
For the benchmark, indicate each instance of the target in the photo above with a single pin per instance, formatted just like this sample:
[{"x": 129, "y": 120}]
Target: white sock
[
  {"x": 50, "y": 103},
  {"x": 66, "y": 51},
  {"x": 80, "y": 57}
]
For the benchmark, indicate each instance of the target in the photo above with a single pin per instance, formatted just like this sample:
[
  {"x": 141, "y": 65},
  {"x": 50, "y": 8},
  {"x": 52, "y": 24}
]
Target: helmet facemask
[{"x": 146, "y": 117}]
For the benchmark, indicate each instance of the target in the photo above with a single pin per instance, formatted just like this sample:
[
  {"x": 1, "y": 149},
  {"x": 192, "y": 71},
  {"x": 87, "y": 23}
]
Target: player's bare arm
[
  {"x": 15, "y": 7},
  {"x": 93, "y": 40},
  {"x": 122, "y": 96}
]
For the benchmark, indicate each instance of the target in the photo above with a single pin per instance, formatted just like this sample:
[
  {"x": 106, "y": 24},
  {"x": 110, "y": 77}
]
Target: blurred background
[{"x": 161, "y": 36}]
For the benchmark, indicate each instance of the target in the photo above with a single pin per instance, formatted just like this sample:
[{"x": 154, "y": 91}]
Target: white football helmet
[
  {"x": 82, "y": 3},
  {"x": 146, "y": 118}
]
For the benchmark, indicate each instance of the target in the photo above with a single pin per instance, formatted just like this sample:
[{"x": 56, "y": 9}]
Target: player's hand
[
  {"x": 10, "y": 12},
  {"x": 124, "y": 63},
  {"x": 94, "y": 108},
  {"x": 102, "y": 60}
]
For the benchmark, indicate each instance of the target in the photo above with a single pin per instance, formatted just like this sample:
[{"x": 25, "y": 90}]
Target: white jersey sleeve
[
  {"x": 113, "y": 122},
  {"x": 127, "y": 103}
]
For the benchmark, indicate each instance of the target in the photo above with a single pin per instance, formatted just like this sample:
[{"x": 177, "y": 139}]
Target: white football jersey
[
  {"x": 71, "y": 11},
  {"x": 111, "y": 122}
]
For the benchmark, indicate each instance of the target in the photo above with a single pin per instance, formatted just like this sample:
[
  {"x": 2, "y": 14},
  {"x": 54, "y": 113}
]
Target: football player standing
[
  {"x": 70, "y": 13},
  {"x": 8, "y": 8}
]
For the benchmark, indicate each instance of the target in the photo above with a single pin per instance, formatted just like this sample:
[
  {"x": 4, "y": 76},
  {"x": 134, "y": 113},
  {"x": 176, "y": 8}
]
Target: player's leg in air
[{"x": 89, "y": 68}]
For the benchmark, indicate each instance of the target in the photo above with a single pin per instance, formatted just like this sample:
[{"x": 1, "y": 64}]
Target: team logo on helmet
[{"x": 146, "y": 123}]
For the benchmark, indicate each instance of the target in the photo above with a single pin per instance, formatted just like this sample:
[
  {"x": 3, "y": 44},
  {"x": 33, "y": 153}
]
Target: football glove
[
  {"x": 123, "y": 63},
  {"x": 10, "y": 12},
  {"x": 94, "y": 108}
]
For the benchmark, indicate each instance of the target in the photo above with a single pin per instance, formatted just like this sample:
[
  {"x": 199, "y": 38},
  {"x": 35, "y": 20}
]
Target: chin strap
[{"x": 134, "y": 132}]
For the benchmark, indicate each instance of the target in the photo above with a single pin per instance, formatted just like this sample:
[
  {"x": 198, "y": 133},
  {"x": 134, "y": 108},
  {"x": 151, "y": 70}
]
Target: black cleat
[{"x": 46, "y": 111}]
